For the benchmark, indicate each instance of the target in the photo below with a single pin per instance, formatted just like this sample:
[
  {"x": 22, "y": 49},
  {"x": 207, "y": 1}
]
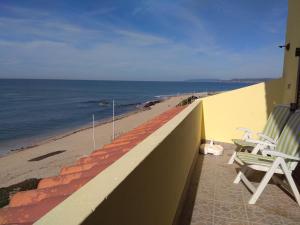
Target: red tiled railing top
[{"x": 28, "y": 206}]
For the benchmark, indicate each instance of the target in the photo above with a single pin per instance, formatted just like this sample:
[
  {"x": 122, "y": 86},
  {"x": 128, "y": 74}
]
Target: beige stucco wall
[
  {"x": 144, "y": 186},
  {"x": 290, "y": 61},
  {"x": 246, "y": 107}
]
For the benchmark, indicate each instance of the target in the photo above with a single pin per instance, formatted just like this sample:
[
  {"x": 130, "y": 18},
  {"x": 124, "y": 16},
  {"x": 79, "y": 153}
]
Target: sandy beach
[{"x": 47, "y": 158}]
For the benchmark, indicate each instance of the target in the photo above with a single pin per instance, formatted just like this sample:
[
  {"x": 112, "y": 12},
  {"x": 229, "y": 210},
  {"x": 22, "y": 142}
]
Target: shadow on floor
[{"x": 191, "y": 192}]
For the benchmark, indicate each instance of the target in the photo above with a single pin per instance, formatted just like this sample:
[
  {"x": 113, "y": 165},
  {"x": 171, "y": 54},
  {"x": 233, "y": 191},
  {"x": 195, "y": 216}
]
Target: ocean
[{"x": 33, "y": 110}]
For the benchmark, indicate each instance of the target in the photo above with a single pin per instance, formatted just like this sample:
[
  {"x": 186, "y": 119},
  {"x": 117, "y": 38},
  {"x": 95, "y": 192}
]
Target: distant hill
[
  {"x": 204, "y": 80},
  {"x": 251, "y": 80},
  {"x": 236, "y": 80}
]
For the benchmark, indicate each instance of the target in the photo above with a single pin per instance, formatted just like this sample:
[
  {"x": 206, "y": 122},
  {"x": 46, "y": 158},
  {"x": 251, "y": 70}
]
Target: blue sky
[{"x": 141, "y": 40}]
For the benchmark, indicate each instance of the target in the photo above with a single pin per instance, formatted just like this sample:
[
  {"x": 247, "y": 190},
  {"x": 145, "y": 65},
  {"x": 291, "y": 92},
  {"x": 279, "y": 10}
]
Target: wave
[
  {"x": 136, "y": 104},
  {"x": 101, "y": 102},
  {"x": 163, "y": 96},
  {"x": 91, "y": 101}
]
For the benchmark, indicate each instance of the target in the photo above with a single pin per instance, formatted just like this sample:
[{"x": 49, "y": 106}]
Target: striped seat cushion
[
  {"x": 251, "y": 159},
  {"x": 274, "y": 126},
  {"x": 276, "y": 121},
  {"x": 288, "y": 143},
  {"x": 289, "y": 140},
  {"x": 243, "y": 143}
]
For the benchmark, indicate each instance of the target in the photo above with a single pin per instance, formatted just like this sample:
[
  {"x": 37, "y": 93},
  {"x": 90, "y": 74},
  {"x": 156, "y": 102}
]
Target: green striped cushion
[
  {"x": 252, "y": 159},
  {"x": 277, "y": 121},
  {"x": 243, "y": 143},
  {"x": 289, "y": 140},
  {"x": 288, "y": 143}
]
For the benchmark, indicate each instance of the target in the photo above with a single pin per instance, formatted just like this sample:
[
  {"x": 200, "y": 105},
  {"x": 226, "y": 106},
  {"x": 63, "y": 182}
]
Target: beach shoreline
[
  {"x": 47, "y": 157},
  {"x": 73, "y": 130}
]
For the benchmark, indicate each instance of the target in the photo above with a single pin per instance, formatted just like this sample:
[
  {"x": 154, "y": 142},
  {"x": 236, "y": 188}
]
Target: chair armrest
[
  {"x": 267, "y": 138},
  {"x": 280, "y": 154},
  {"x": 244, "y": 129},
  {"x": 247, "y": 132}
]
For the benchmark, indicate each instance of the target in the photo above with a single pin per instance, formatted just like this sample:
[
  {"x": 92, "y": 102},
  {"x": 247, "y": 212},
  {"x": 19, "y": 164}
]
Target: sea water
[{"x": 32, "y": 110}]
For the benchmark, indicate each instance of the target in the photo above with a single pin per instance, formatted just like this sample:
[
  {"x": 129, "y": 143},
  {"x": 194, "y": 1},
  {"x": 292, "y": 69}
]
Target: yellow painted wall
[
  {"x": 145, "y": 185},
  {"x": 290, "y": 61},
  {"x": 246, "y": 107},
  {"x": 151, "y": 194}
]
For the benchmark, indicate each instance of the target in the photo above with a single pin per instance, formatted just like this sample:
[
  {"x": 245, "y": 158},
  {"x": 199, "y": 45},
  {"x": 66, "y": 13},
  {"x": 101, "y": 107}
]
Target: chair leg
[
  {"x": 291, "y": 182},
  {"x": 231, "y": 160},
  {"x": 233, "y": 157},
  {"x": 240, "y": 174},
  {"x": 264, "y": 182},
  {"x": 293, "y": 187},
  {"x": 238, "y": 178}
]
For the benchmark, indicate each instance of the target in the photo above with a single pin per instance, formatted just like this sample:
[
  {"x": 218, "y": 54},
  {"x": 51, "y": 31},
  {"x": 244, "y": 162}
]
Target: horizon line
[{"x": 187, "y": 80}]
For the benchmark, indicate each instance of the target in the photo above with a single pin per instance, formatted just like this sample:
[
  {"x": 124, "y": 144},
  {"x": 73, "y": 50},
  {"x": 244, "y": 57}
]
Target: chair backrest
[
  {"x": 276, "y": 121},
  {"x": 289, "y": 140}
]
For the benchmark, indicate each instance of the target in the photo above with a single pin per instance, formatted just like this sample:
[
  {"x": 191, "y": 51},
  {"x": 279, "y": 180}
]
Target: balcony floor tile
[{"x": 216, "y": 200}]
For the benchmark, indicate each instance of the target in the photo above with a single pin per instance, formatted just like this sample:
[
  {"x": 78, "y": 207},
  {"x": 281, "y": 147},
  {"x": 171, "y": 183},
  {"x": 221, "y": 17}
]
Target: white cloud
[
  {"x": 142, "y": 38},
  {"x": 127, "y": 61},
  {"x": 56, "y": 48}
]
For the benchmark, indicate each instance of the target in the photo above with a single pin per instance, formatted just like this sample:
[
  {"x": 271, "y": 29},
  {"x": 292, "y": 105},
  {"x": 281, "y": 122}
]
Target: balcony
[
  {"x": 155, "y": 175},
  {"x": 156, "y": 183},
  {"x": 212, "y": 198}
]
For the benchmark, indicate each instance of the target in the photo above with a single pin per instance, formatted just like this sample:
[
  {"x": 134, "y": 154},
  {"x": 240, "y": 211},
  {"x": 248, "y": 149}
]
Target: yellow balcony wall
[
  {"x": 290, "y": 68},
  {"x": 145, "y": 186},
  {"x": 246, "y": 107}
]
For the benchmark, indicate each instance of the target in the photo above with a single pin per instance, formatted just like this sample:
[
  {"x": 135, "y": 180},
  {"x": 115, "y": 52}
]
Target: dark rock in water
[
  {"x": 25, "y": 185},
  {"x": 188, "y": 100},
  {"x": 151, "y": 103}
]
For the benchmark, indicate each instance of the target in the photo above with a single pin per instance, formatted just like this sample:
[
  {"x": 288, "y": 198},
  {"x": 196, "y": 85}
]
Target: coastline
[
  {"x": 73, "y": 130},
  {"x": 48, "y": 156},
  {"x": 70, "y": 131}
]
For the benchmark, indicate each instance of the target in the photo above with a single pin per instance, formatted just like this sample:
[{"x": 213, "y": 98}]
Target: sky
[{"x": 161, "y": 40}]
